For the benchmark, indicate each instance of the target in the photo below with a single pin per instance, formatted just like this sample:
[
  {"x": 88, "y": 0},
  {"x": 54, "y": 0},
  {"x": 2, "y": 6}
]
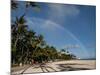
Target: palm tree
[
  {"x": 63, "y": 50},
  {"x": 14, "y": 4},
  {"x": 32, "y": 4},
  {"x": 30, "y": 39},
  {"x": 20, "y": 28},
  {"x": 18, "y": 31},
  {"x": 23, "y": 41}
]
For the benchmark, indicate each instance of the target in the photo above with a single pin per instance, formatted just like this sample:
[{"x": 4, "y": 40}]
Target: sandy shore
[
  {"x": 70, "y": 65},
  {"x": 75, "y": 65}
]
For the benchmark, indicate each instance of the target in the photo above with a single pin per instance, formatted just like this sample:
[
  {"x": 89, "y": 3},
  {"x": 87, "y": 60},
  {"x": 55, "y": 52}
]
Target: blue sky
[{"x": 72, "y": 27}]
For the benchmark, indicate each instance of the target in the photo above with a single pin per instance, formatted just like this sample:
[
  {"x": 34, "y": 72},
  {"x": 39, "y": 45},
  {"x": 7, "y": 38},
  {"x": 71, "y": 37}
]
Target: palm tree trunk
[
  {"x": 27, "y": 56},
  {"x": 17, "y": 38}
]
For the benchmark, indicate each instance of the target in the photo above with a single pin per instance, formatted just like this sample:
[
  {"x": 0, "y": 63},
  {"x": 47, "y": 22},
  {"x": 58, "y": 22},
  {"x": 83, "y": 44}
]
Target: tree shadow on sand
[
  {"x": 68, "y": 67},
  {"x": 44, "y": 67}
]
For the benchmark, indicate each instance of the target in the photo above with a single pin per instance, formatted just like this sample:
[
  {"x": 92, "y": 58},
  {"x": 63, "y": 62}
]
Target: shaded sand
[
  {"x": 74, "y": 65},
  {"x": 70, "y": 65}
]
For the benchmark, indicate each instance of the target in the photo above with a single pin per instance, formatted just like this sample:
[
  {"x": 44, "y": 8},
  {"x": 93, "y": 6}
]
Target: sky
[{"x": 65, "y": 26}]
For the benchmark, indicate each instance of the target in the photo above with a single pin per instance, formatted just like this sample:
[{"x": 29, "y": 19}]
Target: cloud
[
  {"x": 61, "y": 13},
  {"x": 64, "y": 10},
  {"x": 42, "y": 23},
  {"x": 71, "y": 46},
  {"x": 49, "y": 25},
  {"x": 55, "y": 16}
]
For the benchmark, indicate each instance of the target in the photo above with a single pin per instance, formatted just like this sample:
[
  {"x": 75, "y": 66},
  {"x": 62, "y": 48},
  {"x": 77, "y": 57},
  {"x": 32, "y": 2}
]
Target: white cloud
[
  {"x": 71, "y": 46},
  {"x": 50, "y": 25},
  {"x": 42, "y": 23},
  {"x": 64, "y": 10},
  {"x": 56, "y": 16}
]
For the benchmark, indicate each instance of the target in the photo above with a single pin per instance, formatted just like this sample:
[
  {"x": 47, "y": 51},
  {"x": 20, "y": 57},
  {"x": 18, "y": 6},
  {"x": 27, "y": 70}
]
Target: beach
[
  {"x": 69, "y": 65},
  {"x": 43, "y": 41}
]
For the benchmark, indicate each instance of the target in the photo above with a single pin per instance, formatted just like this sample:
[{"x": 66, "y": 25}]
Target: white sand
[{"x": 69, "y": 65}]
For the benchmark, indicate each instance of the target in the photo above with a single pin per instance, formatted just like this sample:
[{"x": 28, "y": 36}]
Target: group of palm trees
[{"x": 27, "y": 46}]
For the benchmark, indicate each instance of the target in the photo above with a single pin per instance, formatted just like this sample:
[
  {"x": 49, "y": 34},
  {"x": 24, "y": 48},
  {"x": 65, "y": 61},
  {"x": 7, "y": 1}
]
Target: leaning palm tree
[
  {"x": 30, "y": 39},
  {"x": 20, "y": 28}
]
